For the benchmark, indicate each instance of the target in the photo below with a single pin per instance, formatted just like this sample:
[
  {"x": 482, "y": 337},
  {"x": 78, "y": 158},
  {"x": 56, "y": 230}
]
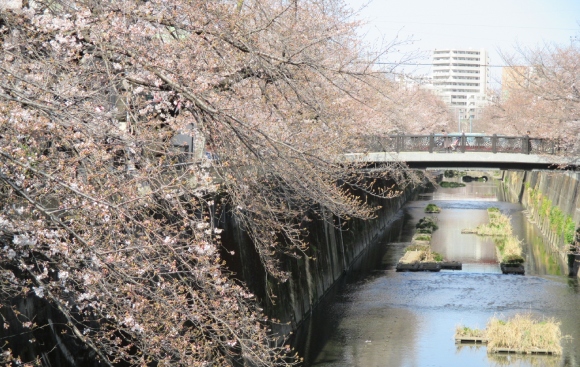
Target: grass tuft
[
  {"x": 422, "y": 237},
  {"x": 524, "y": 334},
  {"x": 465, "y": 331},
  {"x": 417, "y": 247},
  {"x": 411, "y": 257},
  {"x": 508, "y": 247}
]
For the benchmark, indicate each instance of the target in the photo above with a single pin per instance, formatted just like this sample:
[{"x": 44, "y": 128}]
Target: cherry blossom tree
[
  {"x": 108, "y": 219},
  {"x": 542, "y": 95}
]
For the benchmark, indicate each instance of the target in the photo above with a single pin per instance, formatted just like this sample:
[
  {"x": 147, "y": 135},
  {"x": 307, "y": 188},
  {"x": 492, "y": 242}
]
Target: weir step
[
  {"x": 429, "y": 266},
  {"x": 451, "y": 265},
  {"x": 419, "y": 266},
  {"x": 470, "y": 340},
  {"x": 512, "y": 268},
  {"x": 520, "y": 351}
]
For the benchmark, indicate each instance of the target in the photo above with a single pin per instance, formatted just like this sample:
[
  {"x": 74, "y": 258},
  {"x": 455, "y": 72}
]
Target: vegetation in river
[
  {"x": 432, "y": 208},
  {"x": 420, "y": 248},
  {"x": 436, "y": 256},
  {"x": 453, "y": 173},
  {"x": 533, "y": 360},
  {"x": 466, "y": 331},
  {"x": 471, "y": 178},
  {"x": 451, "y": 184},
  {"x": 509, "y": 250},
  {"x": 524, "y": 333},
  {"x": 508, "y": 247},
  {"x": 426, "y": 223},
  {"x": 420, "y": 253},
  {"x": 498, "y": 225},
  {"x": 422, "y": 237},
  {"x": 411, "y": 257},
  {"x": 417, "y": 247}
]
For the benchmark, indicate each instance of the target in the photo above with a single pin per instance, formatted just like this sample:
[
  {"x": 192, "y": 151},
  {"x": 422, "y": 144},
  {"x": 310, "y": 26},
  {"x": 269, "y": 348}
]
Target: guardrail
[{"x": 461, "y": 143}]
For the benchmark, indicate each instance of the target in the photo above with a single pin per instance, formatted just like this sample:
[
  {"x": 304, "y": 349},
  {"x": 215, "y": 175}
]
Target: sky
[{"x": 491, "y": 24}]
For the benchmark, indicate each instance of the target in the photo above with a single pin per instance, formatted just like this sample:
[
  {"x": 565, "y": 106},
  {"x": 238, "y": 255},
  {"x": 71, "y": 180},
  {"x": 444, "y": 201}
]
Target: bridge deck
[{"x": 467, "y": 159}]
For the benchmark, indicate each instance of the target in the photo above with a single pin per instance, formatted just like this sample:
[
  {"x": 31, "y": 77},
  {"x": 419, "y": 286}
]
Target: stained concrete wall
[
  {"x": 562, "y": 188},
  {"x": 335, "y": 247}
]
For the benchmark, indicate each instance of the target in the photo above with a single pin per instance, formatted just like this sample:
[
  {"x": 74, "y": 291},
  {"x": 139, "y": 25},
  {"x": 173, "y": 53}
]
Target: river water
[{"x": 392, "y": 319}]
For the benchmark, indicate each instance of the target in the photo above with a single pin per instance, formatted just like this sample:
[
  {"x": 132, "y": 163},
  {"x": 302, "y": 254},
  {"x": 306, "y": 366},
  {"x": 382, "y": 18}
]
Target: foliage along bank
[{"x": 552, "y": 199}]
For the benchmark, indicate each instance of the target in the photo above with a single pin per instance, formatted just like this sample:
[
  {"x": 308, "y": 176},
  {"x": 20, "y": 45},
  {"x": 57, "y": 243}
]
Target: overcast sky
[{"x": 489, "y": 24}]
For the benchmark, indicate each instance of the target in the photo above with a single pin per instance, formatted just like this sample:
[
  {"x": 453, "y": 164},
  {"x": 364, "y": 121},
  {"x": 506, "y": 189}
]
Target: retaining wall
[
  {"x": 335, "y": 247},
  {"x": 561, "y": 189}
]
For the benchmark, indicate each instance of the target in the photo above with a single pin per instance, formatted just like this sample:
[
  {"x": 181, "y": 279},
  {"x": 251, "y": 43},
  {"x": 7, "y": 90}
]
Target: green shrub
[
  {"x": 437, "y": 256},
  {"x": 432, "y": 208},
  {"x": 545, "y": 207},
  {"x": 426, "y": 222},
  {"x": 557, "y": 220}
]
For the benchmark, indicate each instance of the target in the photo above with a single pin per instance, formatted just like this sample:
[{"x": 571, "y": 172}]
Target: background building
[
  {"x": 460, "y": 77},
  {"x": 514, "y": 78}
]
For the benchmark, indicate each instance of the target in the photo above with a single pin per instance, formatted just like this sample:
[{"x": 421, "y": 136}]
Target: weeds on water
[
  {"x": 524, "y": 333},
  {"x": 432, "y": 208}
]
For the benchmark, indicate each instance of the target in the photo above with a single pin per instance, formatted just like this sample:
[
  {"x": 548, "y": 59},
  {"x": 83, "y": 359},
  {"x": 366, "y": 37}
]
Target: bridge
[{"x": 466, "y": 151}]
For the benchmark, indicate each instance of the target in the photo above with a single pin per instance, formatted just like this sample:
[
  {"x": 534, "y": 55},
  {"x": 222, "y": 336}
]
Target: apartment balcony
[{"x": 466, "y": 72}]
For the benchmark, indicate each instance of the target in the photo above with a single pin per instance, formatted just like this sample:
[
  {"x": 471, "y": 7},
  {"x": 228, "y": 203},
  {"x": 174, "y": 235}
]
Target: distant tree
[
  {"x": 543, "y": 95},
  {"x": 422, "y": 112},
  {"x": 112, "y": 224}
]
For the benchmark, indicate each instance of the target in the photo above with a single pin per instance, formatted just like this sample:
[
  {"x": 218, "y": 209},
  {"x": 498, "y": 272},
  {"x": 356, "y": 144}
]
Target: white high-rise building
[{"x": 461, "y": 78}]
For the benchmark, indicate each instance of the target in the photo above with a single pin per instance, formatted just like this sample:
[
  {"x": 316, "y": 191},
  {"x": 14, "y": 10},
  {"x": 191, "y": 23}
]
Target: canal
[{"x": 389, "y": 318}]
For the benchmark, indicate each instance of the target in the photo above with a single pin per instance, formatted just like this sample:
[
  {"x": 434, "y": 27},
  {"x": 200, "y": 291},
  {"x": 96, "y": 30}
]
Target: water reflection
[
  {"x": 540, "y": 259},
  {"x": 409, "y": 319}
]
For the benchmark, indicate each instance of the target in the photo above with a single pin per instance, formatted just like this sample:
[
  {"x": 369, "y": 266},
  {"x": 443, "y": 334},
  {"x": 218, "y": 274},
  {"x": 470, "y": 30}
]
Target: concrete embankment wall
[
  {"x": 552, "y": 199},
  {"x": 334, "y": 247}
]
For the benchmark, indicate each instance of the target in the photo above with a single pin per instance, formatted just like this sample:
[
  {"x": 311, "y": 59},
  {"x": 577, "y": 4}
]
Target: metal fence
[{"x": 461, "y": 143}]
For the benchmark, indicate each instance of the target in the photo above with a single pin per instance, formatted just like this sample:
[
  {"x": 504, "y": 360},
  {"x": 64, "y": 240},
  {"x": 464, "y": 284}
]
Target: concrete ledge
[{"x": 467, "y": 159}]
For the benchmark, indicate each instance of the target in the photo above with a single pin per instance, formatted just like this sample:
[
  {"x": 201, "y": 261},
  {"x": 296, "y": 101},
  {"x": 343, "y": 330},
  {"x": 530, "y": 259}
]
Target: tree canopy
[
  {"x": 106, "y": 217},
  {"x": 540, "y": 94}
]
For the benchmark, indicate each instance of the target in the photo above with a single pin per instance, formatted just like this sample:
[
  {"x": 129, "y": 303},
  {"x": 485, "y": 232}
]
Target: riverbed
[{"x": 391, "y": 318}]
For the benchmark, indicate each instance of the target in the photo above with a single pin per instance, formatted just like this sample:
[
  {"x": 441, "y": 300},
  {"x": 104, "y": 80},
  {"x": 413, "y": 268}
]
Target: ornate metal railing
[{"x": 461, "y": 143}]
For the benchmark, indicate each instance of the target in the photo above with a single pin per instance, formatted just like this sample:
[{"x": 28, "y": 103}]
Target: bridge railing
[{"x": 461, "y": 142}]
